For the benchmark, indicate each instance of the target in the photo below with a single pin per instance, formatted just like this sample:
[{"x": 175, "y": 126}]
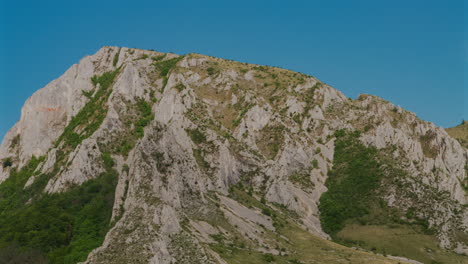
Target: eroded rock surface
[{"x": 216, "y": 125}]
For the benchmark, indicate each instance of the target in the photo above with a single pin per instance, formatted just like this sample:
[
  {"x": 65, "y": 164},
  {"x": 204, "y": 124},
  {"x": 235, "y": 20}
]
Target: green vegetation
[
  {"x": 88, "y": 94},
  {"x": 198, "y": 155},
  {"x": 460, "y": 133},
  {"x": 61, "y": 227},
  {"x": 302, "y": 179},
  {"x": 143, "y": 57},
  {"x": 271, "y": 139},
  {"x": 116, "y": 58},
  {"x": 136, "y": 117},
  {"x": 91, "y": 116},
  {"x": 15, "y": 141},
  {"x": 351, "y": 183},
  {"x": 428, "y": 149},
  {"x": 204, "y": 146},
  {"x": 197, "y": 136},
  {"x": 318, "y": 150},
  {"x": 12, "y": 187},
  {"x": 297, "y": 118},
  {"x": 354, "y": 213},
  {"x": 158, "y": 58},
  {"x": 399, "y": 240},
  {"x": 212, "y": 71},
  {"x": 161, "y": 165},
  {"x": 241, "y": 115},
  {"x": 125, "y": 168},
  {"x": 7, "y": 162},
  {"x": 180, "y": 87},
  {"x": 294, "y": 244},
  {"x": 146, "y": 116},
  {"x": 164, "y": 67},
  {"x": 315, "y": 164}
]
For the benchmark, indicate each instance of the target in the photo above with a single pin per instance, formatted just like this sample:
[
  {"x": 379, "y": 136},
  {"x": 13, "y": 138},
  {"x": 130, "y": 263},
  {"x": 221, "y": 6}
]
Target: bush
[
  {"x": 180, "y": 87},
  {"x": 315, "y": 164},
  {"x": 108, "y": 160},
  {"x": 146, "y": 115},
  {"x": 211, "y": 71},
  {"x": 268, "y": 257},
  {"x": 7, "y": 162},
  {"x": 267, "y": 211}
]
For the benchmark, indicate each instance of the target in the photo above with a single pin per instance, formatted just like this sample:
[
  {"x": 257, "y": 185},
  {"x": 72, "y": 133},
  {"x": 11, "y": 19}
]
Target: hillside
[
  {"x": 136, "y": 156},
  {"x": 460, "y": 133}
]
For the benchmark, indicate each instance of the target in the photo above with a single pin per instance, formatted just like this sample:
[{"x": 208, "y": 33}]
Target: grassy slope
[
  {"x": 354, "y": 214},
  {"x": 295, "y": 244},
  {"x": 460, "y": 133},
  {"x": 400, "y": 240}
]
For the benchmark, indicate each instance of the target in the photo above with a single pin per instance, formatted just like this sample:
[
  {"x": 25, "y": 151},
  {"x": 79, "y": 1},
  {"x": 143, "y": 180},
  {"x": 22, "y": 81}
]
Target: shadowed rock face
[{"x": 191, "y": 135}]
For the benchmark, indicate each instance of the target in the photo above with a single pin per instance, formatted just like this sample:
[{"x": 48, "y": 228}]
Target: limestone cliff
[{"x": 218, "y": 161}]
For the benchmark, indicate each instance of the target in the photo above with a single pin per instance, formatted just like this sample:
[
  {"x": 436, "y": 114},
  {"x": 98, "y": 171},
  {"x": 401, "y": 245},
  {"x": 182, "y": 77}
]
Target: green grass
[
  {"x": 399, "y": 240},
  {"x": 460, "y": 133}
]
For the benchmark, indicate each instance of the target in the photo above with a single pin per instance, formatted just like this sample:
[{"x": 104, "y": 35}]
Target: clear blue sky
[{"x": 412, "y": 52}]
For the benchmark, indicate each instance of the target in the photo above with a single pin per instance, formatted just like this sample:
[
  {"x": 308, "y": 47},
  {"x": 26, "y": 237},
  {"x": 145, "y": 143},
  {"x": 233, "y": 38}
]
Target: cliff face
[{"x": 217, "y": 161}]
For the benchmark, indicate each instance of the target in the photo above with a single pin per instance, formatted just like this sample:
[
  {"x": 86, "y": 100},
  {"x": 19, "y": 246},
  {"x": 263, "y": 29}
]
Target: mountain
[{"x": 136, "y": 156}]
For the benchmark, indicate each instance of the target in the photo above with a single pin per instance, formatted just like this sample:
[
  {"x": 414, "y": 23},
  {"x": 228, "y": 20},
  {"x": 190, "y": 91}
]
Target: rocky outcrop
[{"x": 218, "y": 127}]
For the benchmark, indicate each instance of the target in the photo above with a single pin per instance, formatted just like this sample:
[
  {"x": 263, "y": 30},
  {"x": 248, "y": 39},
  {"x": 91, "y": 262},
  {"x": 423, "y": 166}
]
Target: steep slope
[{"x": 148, "y": 157}]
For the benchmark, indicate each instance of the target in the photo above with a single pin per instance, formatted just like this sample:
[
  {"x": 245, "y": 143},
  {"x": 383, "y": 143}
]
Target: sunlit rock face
[{"x": 190, "y": 134}]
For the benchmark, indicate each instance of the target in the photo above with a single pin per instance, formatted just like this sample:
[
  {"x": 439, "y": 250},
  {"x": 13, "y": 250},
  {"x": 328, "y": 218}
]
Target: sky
[{"x": 412, "y": 52}]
